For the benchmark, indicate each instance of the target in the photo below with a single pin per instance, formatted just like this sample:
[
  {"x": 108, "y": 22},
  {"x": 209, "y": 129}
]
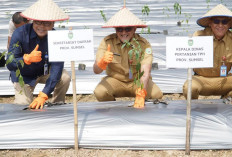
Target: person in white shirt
[{"x": 16, "y": 21}]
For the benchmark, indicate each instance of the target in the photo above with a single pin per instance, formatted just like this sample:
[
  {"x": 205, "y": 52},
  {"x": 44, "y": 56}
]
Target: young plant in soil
[
  {"x": 136, "y": 52},
  {"x": 103, "y": 15},
  {"x": 166, "y": 12},
  {"x": 145, "y": 13},
  {"x": 187, "y": 19},
  {"x": 177, "y": 9}
]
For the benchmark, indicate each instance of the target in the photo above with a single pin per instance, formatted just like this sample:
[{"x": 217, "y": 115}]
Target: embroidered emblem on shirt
[{"x": 148, "y": 51}]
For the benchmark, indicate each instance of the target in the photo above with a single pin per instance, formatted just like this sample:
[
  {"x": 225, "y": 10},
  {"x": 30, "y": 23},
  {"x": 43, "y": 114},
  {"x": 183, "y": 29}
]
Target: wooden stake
[
  {"x": 75, "y": 105},
  {"x": 188, "y": 112},
  {"x": 124, "y": 3}
]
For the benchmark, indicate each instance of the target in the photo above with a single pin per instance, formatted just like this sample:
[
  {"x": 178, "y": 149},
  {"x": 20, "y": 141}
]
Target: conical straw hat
[
  {"x": 45, "y": 10},
  {"x": 124, "y": 18},
  {"x": 219, "y": 10}
]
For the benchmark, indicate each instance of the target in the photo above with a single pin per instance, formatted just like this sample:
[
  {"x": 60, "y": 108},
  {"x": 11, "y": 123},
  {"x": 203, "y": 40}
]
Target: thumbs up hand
[
  {"x": 108, "y": 56},
  {"x": 106, "y": 59},
  {"x": 34, "y": 56}
]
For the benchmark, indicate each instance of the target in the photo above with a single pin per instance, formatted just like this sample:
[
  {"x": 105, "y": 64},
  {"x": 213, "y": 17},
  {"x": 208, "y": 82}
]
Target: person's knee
[
  {"x": 194, "y": 91},
  {"x": 66, "y": 79},
  {"x": 23, "y": 95},
  {"x": 153, "y": 91},
  {"x": 185, "y": 90},
  {"x": 229, "y": 94},
  {"x": 102, "y": 94},
  {"x": 22, "y": 101},
  {"x": 156, "y": 94}
]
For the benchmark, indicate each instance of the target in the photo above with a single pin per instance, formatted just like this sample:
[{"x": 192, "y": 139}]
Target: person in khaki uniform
[
  {"x": 115, "y": 60},
  {"x": 209, "y": 81}
]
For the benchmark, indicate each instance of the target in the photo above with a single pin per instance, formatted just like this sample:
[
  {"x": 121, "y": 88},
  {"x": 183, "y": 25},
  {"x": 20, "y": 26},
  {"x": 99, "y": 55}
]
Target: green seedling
[
  {"x": 103, "y": 15},
  {"x": 19, "y": 63},
  {"x": 145, "y": 14},
  {"x": 135, "y": 52}
]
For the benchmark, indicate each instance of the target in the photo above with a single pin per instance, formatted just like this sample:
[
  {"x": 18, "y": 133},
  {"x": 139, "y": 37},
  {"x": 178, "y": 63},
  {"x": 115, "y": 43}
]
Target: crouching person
[
  {"x": 29, "y": 45},
  {"x": 211, "y": 81},
  {"x": 120, "y": 66}
]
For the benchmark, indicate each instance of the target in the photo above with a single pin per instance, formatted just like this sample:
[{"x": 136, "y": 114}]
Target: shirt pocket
[
  {"x": 115, "y": 65},
  {"x": 117, "y": 60}
]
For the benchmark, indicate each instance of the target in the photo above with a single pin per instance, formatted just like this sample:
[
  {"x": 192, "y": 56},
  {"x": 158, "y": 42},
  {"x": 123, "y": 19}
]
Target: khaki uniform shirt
[
  {"x": 221, "y": 48},
  {"x": 119, "y": 67}
]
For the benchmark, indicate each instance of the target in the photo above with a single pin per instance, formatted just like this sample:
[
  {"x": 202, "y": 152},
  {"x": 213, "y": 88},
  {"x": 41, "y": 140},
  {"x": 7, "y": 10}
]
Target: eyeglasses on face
[
  {"x": 45, "y": 23},
  {"x": 224, "y": 22},
  {"x": 127, "y": 29}
]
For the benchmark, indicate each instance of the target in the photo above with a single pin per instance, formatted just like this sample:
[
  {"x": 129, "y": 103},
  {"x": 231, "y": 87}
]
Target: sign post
[
  {"x": 189, "y": 52},
  {"x": 75, "y": 105},
  {"x": 71, "y": 45},
  {"x": 188, "y": 112}
]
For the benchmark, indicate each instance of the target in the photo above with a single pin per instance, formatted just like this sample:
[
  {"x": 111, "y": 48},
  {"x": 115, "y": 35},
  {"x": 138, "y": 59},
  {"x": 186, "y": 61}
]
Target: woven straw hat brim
[
  {"x": 218, "y": 11},
  {"x": 45, "y": 10},
  {"x": 124, "y": 18}
]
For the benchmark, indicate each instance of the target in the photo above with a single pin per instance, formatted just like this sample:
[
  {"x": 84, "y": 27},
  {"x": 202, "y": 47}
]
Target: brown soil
[{"x": 110, "y": 153}]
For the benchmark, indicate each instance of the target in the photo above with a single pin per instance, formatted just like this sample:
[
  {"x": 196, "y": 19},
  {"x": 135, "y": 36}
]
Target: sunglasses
[
  {"x": 224, "y": 22},
  {"x": 44, "y": 23},
  {"x": 127, "y": 29}
]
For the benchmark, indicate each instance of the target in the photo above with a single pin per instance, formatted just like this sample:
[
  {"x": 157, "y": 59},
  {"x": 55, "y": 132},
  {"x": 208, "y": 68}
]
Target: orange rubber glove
[
  {"x": 39, "y": 101},
  {"x": 106, "y": 59},
  {"x": 34, "y": 56},
  {"x": 140, "y": 98}
]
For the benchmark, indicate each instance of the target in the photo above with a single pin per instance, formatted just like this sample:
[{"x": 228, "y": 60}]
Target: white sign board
[
  {"x": 185, "y": 52},
  {"x": 70, "y": 45}
]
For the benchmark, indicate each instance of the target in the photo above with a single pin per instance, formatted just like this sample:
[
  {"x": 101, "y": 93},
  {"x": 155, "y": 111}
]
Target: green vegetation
[
  {"x": 12, "y": 58},
  {"x": 177, "y": 9},
  {"x": 136, "y": 52},
  {"x": 145, "y": 13},
  {"x": 103, "y": 15},
  {"x": 2, "y": 54},
  {"x": 187, "y": 19},
  {"x": 145, "y": 10},
  {"x": 207, "y": 2},
  {"x": 8, "y": 14},
  {"x": 166, "y": 11}
]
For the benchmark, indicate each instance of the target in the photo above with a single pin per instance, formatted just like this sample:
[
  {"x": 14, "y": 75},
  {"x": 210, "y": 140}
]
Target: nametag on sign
[{"x": 223, "y": 71}]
